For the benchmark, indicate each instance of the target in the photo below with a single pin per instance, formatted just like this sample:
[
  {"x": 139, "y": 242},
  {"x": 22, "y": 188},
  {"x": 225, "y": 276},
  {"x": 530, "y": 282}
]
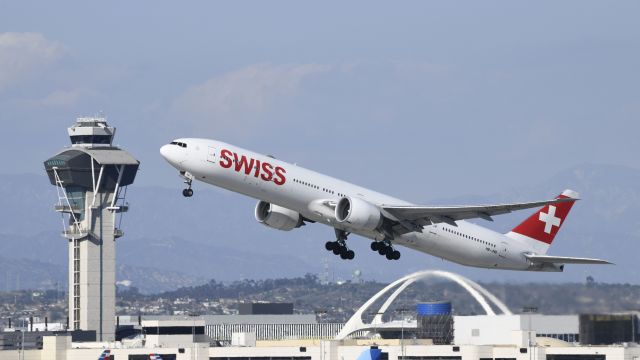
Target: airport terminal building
[{"x": 185, "y": 339}]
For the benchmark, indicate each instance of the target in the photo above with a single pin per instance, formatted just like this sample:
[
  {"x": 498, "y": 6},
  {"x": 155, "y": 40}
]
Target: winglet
[{"x": 571, "y": 194}]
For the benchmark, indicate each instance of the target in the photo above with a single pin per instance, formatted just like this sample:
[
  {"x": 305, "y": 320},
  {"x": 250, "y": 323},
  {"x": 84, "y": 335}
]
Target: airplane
[{"x": 290, "y": 196}]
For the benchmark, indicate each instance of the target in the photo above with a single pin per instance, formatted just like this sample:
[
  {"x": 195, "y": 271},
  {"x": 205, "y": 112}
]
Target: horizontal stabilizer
[{"x": 564, "y": 260}]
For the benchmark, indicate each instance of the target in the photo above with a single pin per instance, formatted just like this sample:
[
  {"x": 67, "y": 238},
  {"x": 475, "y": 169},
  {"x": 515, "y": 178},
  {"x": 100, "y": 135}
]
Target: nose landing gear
[
  {"x": 385, "y": 249},
  {"x": 188, "y": 179},
  {"x": 339, "y": 247}
]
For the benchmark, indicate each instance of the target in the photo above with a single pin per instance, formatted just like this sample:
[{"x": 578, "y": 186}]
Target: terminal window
[
  {"x": 262, "y": 358},
  {"x": 576, "y": 357},
  {"x": 146, "y": 357},
  {"x": 429, "y": 357}
]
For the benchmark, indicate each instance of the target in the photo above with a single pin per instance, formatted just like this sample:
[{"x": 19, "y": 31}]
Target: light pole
[
  {"x": 402, "y": 311},
  {"x": 24, "y": 327},
  {"x": 319, "y": 313},
  {"x": 529, "y": 310}
]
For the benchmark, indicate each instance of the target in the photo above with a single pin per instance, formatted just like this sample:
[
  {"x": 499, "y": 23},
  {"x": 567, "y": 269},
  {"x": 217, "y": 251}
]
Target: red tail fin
[{"x": 545, "y": 224}]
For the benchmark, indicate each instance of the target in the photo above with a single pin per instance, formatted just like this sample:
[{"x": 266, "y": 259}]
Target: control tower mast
[{"x": 91, "y": 178}]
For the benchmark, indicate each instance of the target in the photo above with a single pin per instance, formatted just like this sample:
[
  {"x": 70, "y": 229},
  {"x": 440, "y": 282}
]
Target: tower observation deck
[{"x": 91, "y": 178}]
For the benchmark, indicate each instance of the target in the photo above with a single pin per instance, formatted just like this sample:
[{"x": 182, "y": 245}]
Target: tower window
[{"x": 91, "y": 139}]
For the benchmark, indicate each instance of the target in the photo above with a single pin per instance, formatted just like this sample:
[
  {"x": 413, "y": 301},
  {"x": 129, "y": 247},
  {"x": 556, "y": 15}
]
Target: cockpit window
[{"x": 181, "y": 144}]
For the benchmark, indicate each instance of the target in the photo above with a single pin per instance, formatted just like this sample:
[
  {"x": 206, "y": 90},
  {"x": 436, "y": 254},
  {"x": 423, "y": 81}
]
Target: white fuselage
[{"x": 307, "y": 192}]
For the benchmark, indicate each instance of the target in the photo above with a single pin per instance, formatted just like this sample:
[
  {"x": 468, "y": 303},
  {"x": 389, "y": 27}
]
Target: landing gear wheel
[
  {"x": 389, "y": 255},
  {"x": 188, "y": 180},
  {"x": 187, "y": 192},
  {"x": 396, "y": 255},
  {"x": 339, "y": 246},
  {"x": 375, "y": 246},
  {"x": 383, "y": 250}
]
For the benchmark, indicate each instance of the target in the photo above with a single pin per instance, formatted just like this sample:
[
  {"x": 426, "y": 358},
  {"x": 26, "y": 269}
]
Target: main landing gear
[
  {"x": 385, "y": 248},
  {"x": 339, "y": 247},
  {"x": 188, "y": 179}
]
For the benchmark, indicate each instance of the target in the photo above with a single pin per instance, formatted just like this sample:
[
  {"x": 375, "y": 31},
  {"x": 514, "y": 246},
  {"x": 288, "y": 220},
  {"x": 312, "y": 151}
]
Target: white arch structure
[{"x": 480, "y": 294}]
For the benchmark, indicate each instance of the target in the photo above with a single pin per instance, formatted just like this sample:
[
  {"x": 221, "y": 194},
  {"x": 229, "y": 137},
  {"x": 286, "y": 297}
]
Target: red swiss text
[{"x": 251, "y": 166}]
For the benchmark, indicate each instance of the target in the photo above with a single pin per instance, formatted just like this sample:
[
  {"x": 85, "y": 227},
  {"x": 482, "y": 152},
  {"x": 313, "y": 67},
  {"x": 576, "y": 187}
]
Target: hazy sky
[{"x": 418, "y": 99}]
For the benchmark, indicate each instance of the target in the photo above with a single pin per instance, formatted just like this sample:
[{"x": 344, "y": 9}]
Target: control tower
[{"x": 91, "y": 178}]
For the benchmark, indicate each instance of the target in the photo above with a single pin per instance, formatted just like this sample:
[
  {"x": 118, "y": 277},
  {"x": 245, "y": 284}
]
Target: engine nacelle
[
  {"x": 277, "y": 217},
  {"x": 359, "y": 213}
]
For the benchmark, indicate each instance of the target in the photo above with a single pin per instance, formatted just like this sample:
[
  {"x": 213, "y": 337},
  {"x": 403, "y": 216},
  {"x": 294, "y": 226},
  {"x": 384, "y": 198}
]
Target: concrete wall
[
  {"x": 281, "y": 351},
  {"x": 503, "y": 329},
  {"x": 56, "y": 347},
  {"x": 484, "y": 329},
  {"x": 16, "y": 355}
]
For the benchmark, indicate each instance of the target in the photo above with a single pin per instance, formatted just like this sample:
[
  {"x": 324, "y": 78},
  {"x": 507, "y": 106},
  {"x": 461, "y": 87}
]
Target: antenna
[{"x": 324, "y": 276}]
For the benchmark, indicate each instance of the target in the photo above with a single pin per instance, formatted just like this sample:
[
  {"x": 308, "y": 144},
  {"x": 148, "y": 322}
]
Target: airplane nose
[
  {"x": 173, "y": 154},
  {"x": 165, "y": 152}
]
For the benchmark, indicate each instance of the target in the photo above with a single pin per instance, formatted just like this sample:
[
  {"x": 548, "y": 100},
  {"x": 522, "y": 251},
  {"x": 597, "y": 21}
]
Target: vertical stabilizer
[{"x": 540, "y": 229}]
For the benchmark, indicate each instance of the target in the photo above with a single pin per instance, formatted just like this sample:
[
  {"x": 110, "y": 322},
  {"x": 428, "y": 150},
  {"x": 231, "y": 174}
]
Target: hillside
[
  {"x": 172, "y": 242},
  {"x": 337, "y": 302}
]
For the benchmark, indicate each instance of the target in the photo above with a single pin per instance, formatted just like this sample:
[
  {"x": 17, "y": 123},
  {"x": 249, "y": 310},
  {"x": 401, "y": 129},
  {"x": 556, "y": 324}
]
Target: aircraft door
[
  {"x": 211, "y": 154},
  {"x": 503, "y": 250}
]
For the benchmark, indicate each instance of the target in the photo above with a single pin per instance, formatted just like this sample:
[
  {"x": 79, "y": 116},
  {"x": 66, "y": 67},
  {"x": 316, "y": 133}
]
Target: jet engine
[
  {"x": 359, "y": 213},
  {"x": 277, "y": 217}
]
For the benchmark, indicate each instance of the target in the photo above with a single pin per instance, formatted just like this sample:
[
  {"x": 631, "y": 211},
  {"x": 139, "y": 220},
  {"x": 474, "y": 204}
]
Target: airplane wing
[
  {"x": 423, "y": 215},
  {"x": 564, "y": 260}
]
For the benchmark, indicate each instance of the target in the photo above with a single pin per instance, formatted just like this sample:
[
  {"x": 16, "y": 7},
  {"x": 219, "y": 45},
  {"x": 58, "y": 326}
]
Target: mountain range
[{"x": 171, "y": 241}]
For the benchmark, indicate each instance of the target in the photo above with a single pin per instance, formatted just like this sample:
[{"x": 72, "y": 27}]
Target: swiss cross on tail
[
  {"x": 545, "y": 224},
  {"x": 550, "y": 219}
]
